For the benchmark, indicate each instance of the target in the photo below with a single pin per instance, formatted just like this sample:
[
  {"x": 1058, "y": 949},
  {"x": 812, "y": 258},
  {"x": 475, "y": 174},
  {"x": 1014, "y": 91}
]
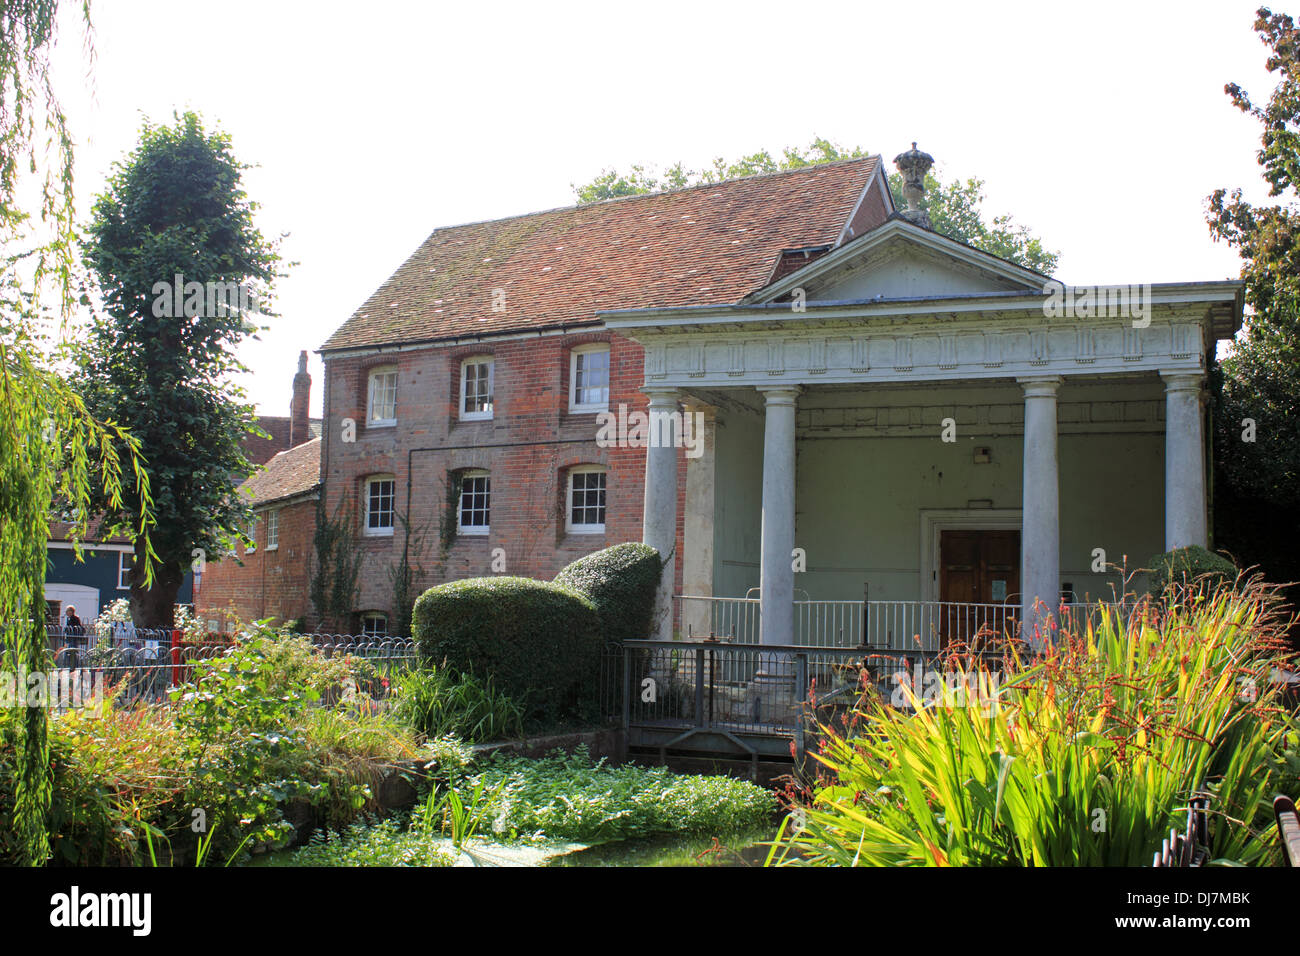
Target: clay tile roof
[
  {"x": 261, "y": 450},
  {"x": 62, "y": 531},
  {"x": 288, "y": 474},
  {"x": 703, "y": 245}
]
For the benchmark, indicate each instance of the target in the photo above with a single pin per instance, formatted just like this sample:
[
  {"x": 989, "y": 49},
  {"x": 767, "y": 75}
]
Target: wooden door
[{"x": 977, "y": 568}]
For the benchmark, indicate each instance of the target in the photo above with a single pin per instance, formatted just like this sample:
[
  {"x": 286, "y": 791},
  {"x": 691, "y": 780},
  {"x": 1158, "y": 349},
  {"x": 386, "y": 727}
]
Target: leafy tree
[
  {"x": 49, "y": 442},
  {"x": 954, "y": 207},
  {"x": 1257, "y": 390},
  {"x": 954, "y": 210},
  {"x": 181, "y": 268}
]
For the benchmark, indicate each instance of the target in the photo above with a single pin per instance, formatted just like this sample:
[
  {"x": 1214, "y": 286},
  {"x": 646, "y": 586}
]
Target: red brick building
[
  {"x": 462, "y": 399},
  {"x": 271, "y": 578}
]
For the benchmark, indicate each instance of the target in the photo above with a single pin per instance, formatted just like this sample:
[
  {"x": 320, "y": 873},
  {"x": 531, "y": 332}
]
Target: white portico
[{"x": 929, "y": 424}]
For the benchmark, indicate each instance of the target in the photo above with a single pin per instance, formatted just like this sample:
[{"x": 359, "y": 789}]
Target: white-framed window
[
  {"x": 381, "y": 406},
  {"x": 380, "y": 499},
  {"x": 374, "y": 624},
  {"x": 125, "y": 559},
  {"x": 585, "y": 513},
  {"x": 473, "y": 513},
  {"x": 589, "y": 378},
  {"x": 252, "y": 537},
  {"x": 476, "y": 388},
  {"x": 273, "y": 529}
]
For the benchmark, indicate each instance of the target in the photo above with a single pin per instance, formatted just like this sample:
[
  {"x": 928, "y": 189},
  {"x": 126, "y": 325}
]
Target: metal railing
[
  {"x": 749, "y": 688},
  {"x": 923, "y": 626},
  {"x": 143, "y": 665},
  {"x": 724, "y": 618}
]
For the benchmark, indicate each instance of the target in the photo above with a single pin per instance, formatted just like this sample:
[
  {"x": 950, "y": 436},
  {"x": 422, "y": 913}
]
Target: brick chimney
[{"x": 299, "y": 424}]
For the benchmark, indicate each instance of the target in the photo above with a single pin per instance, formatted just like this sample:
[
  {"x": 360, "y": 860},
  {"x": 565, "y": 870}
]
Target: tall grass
[
  {"x": 1088, "y": 754},
  {"x": 438, "y": 702}
]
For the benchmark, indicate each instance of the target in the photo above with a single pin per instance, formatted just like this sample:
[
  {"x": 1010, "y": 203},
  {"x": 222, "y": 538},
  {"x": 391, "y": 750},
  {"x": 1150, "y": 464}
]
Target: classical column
[
  {"x": 776, "y": 579},
  {"x": 697, "y": 522},
  {"x": 1184, "y": 461},
  {"x": 1040, "y": 544},
  {"x": 659, "y": 515}
]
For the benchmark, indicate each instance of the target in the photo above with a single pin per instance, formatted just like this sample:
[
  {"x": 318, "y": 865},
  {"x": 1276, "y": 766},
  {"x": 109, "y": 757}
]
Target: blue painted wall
[{"x": 98, "y": 569}]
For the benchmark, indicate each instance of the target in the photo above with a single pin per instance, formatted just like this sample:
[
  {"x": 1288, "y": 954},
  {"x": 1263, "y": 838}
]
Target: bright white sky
[{"x": 1103, "y": 129}]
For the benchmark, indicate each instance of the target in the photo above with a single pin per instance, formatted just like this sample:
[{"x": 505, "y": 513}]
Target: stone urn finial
[{"x": 914, "y": 164}]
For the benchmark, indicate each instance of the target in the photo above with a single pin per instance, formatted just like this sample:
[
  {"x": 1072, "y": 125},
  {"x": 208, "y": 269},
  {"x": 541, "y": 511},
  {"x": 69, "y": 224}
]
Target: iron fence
[
  {"x": 141, "y": 665},
  {"x": 748, "y": 688}
]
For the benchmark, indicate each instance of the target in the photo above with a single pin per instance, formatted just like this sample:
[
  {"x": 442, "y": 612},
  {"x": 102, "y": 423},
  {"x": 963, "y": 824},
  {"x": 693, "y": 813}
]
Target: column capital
[
  {"x": 661, "y": 396},
  {"x": 779, "y": 394},
  {"x": 1040, "y": 386},
  {"x": 1181, "y": 381}
]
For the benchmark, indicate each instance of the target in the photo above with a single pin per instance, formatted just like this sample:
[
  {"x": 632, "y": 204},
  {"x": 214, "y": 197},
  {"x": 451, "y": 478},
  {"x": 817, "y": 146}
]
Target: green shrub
[
  {"x": 109, "y": 769},
  {"x": 621, "y": 581},
  {"x": 1088, "y": 756},
  {"x": 367, "y": 843},
  {"x": 240, "y": 720},
  {"x": 439, "y": 703},
  {"x": 295, "y": 662},
  {"x": 244, "y": 738},
  {"x": 570, "y": 797},
  {"x": 1191, "y": 566},
  {"x": 539, "y": 642}
]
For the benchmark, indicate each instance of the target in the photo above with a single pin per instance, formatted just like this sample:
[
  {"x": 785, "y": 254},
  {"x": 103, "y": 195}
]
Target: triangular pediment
[{"x": 901, "y": 261}]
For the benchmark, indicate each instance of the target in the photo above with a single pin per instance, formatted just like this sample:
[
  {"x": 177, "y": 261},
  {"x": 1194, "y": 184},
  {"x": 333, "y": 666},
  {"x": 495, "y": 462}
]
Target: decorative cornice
[{"x": 903, "y": 352}]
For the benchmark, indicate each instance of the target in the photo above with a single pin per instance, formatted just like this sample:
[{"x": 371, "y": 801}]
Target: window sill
[
  {"x": 473, "y": 532},
  {"x": 382, "y": 423}
]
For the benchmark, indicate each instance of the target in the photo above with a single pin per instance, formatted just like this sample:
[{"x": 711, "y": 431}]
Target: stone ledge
[{"x": 606, "y": 743}]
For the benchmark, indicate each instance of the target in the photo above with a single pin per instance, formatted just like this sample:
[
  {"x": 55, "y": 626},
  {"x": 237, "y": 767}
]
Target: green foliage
[
  {"x": 611, "y": 184},
  {"x": 404, "y": 574},
  {"x": 109, "y": 769},
  {"x": 954, "y": 210},
  {"x": 1257, "y": 465},
  {"x": 1087, "y": 756},
  {"x": 570, "y": 797},
  {"x": 1191, "y": 567},
  {"x": 175, "y": 207},
  {"x": 954, "y": 207},
  {"x": 539, "y": 642},
  {"x": 335, "y": 564},
  {"x": 49, "y": 441},
  {"x": 449, "y": 754},
  {"x": 238, "y": 719},
  {"x": 439, "y": 703},
  {"x": 242, "y": 741},
  {"x": 621, "y": 581},
  {"x": 459, "y": 817},
  {"x": 294, "y": 663},
  {"x": 367, "y": 843}
]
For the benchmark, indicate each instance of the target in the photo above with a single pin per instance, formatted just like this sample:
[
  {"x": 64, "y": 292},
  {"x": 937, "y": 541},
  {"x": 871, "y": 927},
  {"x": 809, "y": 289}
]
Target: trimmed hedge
[
  {"x": 1187, "y": 564},
  {"x": 539, "y": 642},
  {"x": 621, "y": 581}
]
